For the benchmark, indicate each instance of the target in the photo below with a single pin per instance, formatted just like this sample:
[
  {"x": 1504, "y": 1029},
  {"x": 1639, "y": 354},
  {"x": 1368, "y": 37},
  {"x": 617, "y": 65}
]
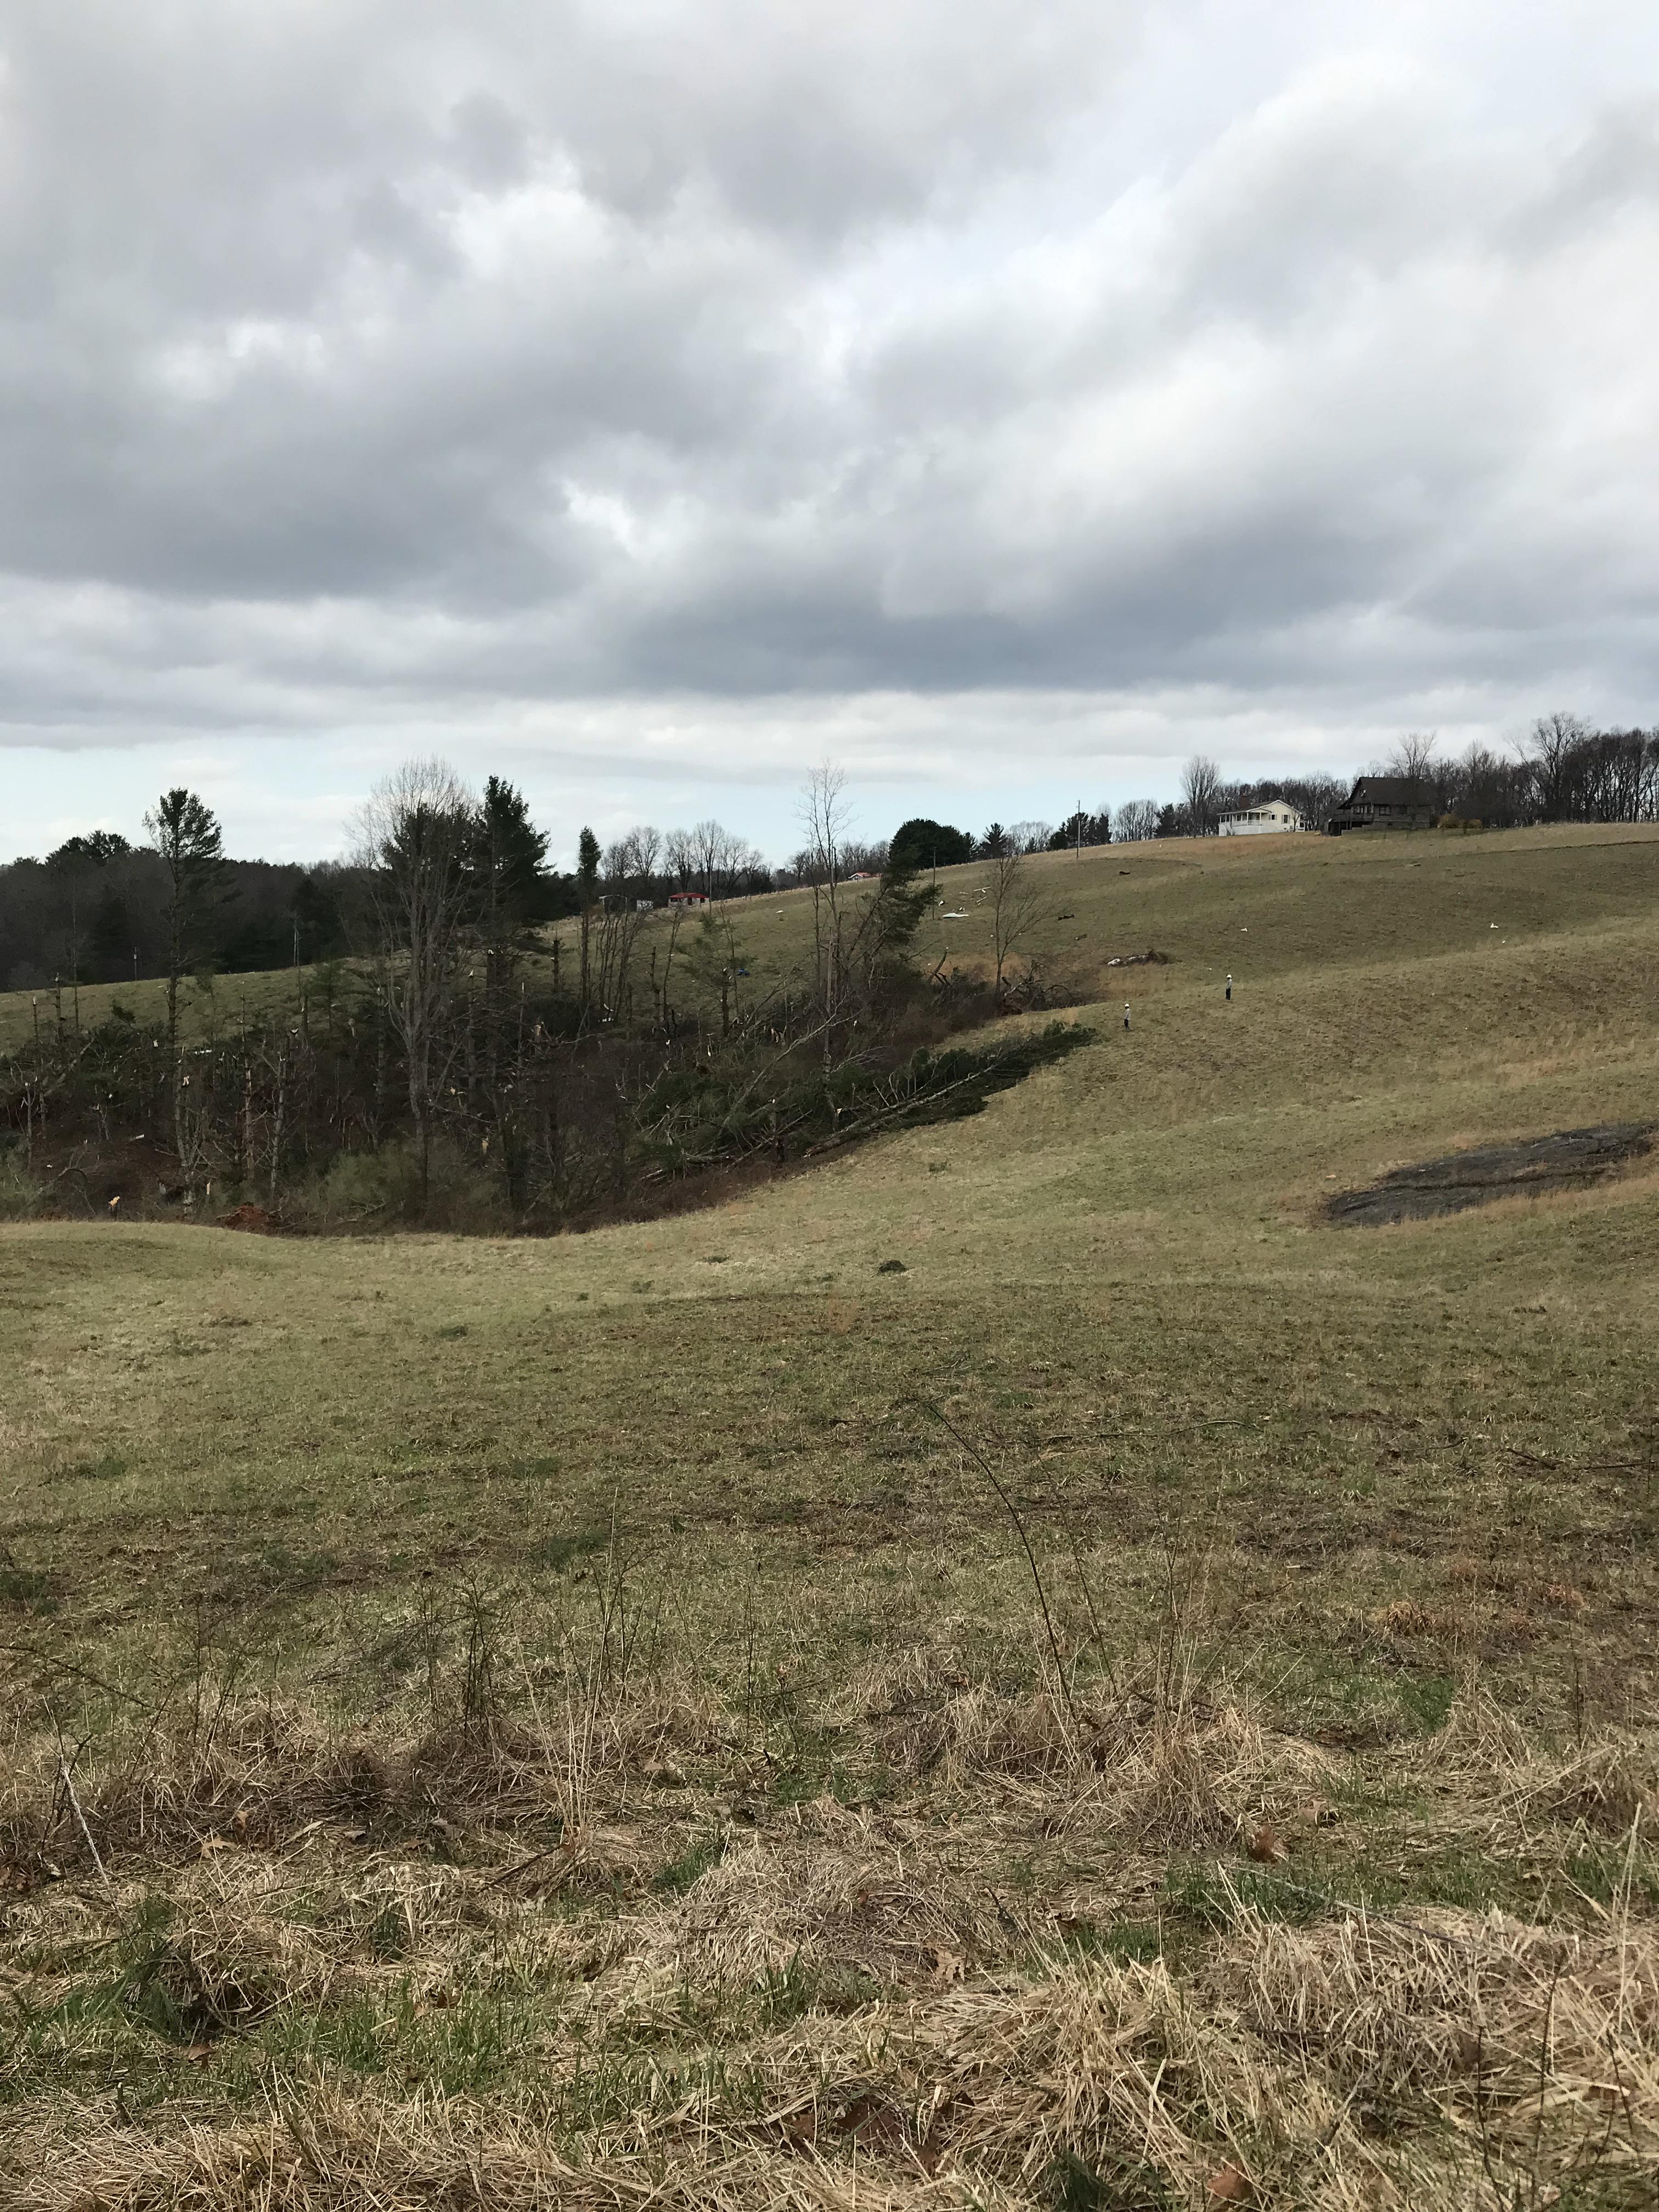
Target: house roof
[{"x": 1388, "y": 791}]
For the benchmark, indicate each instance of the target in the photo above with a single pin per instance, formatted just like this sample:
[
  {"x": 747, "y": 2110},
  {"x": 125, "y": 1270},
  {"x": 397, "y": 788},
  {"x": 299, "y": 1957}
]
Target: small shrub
[
  {"x": 367, "y": 1188},
  {"x": 383, "y": 1189}
]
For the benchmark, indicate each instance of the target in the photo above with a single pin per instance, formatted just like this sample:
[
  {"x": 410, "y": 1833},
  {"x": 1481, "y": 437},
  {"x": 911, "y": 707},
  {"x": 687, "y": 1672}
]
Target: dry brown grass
[
  {"x": 561, "y": 1726},
  {"x": 838, "y": 2004}
]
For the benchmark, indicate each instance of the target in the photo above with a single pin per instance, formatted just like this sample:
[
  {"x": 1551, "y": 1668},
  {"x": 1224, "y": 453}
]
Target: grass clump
[
  {"x": 28, "y": 1588},
  {"x": 108, "y": 1466}
]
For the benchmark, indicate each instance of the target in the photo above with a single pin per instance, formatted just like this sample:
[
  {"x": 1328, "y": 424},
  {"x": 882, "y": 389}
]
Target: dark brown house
[{"x": 1383, "y": 802}]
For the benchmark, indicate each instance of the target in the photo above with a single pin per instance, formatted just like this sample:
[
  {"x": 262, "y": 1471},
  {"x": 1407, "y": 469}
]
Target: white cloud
[{"x": 951, "y": 384}]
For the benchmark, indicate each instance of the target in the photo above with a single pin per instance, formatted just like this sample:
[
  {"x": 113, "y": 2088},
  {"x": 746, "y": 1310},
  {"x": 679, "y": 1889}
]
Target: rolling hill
[{"x": 1023, "y": 1666}]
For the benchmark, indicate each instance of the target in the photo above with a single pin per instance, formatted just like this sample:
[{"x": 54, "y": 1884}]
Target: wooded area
[{"x": 451, "y": 1074}]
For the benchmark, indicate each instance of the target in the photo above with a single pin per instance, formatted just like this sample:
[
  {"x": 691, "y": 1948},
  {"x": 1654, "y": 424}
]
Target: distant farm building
[
  {"x": 1383, "y": 802},
  {"x": 1258, "y": 821},
  {"x": 687, "y": 898}
]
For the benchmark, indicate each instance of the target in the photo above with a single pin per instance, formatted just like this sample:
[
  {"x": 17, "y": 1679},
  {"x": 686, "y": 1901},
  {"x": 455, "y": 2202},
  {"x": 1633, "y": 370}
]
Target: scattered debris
[{"x": 257, "y": 1218}]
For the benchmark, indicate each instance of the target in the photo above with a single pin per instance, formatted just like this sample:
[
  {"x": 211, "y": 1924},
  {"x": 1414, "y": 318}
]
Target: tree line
[
  {"x": 925, "y": 843},
  {"x": 465, "y": 1069},
  {"x": 1564, "y": 770},
  {"x": 100, "y": 909}
]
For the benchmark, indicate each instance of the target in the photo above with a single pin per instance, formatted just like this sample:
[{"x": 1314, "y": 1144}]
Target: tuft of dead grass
[{"x": 852, "y": 2005}]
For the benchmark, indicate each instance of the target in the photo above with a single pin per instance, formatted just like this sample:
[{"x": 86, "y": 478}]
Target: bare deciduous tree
[
  {"x": 646, "y": 846},
  {"x": 616, "y": 928},
  {"x": 1413, "y": 757},
  {"x": 709, "y": 843},
  {"x": 1137, "y": 820},
  {"x": 826, "y": 817},
  {"x": 1551, "y": 747},
  {"x": 1201, "y": 794},
  {"x": 1018, "y": 905}
]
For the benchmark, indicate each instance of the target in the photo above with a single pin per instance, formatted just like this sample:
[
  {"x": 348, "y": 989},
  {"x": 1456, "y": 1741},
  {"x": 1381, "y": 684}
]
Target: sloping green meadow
[{"x": 1016, "y": 1667}]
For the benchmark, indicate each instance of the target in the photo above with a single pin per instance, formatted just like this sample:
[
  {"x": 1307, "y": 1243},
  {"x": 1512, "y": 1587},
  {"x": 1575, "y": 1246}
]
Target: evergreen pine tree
[{"x": 185, "y": 833}]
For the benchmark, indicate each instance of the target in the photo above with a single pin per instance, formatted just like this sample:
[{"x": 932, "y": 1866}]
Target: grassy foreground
[{"x": 576, "y": 1724}]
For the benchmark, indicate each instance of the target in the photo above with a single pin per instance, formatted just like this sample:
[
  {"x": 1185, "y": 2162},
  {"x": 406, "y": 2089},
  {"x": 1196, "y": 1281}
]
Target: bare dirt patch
[{"x": 1563, "y": 1161}]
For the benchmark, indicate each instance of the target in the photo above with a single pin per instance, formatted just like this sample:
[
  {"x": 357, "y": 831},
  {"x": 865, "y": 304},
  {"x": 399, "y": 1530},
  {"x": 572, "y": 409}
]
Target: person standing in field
[
  {"x": 1126, "y": 1013},
  {"x": 1230, "y": 990}
]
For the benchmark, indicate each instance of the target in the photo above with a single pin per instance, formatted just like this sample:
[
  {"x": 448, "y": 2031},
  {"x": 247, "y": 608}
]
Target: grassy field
[{"x": 579, "y": 1723}]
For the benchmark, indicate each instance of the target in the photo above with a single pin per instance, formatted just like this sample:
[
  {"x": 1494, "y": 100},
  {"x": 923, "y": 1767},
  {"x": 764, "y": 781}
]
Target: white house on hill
[{"x": 1253, "y": 821}]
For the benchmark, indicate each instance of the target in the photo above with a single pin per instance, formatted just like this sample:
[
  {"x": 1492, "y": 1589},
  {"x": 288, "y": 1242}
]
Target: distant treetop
[
  {"x": 921, "y": 843},
  {"x": 93, "y": 851}
]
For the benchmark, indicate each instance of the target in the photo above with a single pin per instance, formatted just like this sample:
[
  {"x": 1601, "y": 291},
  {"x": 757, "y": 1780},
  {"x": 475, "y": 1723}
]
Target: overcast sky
[{"x": 647, "y": 398}]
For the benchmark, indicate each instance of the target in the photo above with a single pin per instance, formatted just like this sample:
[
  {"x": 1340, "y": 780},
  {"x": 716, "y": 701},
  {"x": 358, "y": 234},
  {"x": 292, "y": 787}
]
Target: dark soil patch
[{"x": 1564, "y": 1161}]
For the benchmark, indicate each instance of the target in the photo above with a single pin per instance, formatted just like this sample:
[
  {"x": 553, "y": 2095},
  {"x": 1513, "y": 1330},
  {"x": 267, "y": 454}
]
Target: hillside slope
[
  {"x": 635, "y": 1698},
  {"x": 1302, "y": 901}
]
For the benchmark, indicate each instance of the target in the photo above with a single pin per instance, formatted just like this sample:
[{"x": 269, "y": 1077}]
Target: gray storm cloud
[{"x": 400, "y": 361}]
